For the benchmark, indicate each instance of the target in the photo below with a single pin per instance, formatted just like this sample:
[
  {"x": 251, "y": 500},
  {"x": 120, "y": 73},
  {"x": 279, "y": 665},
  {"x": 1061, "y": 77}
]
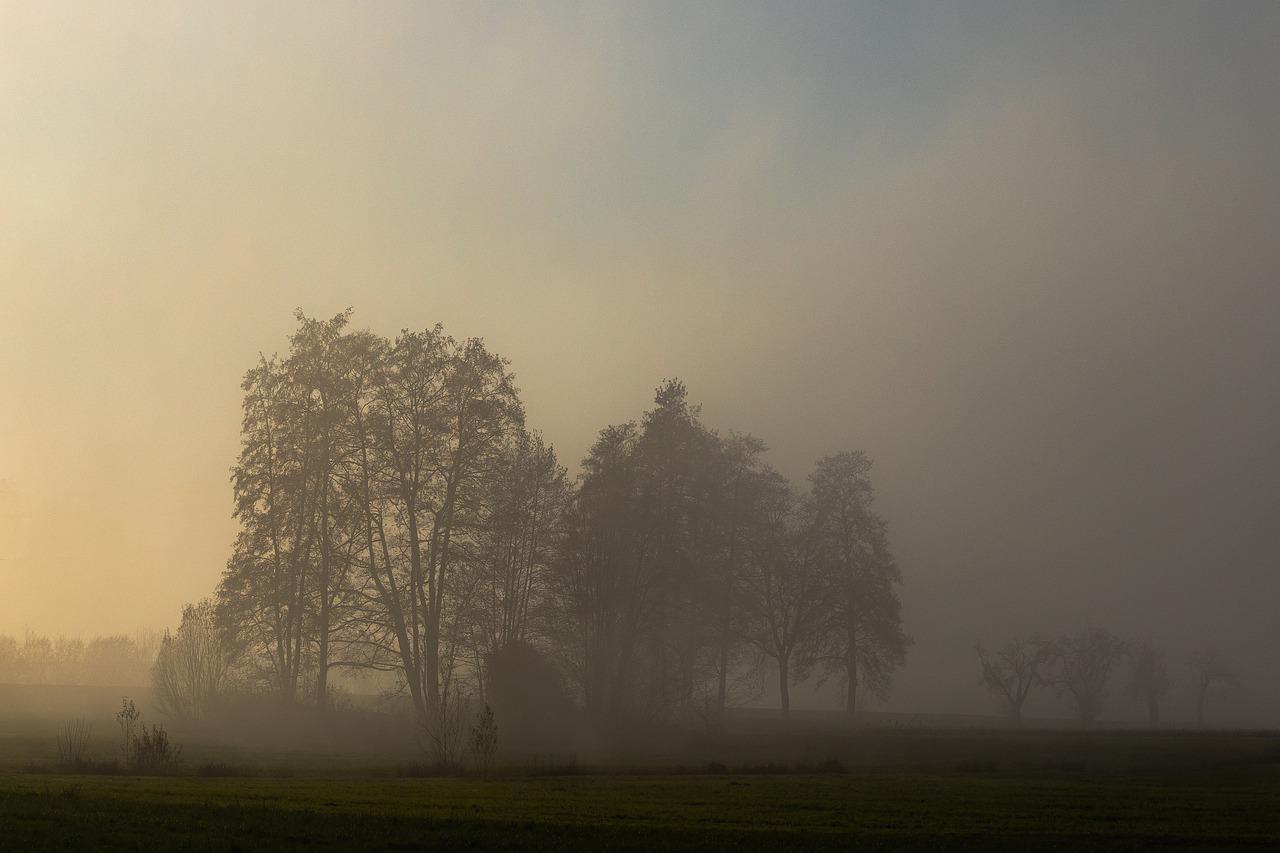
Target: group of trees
[
  {"x": 117, "y": 660},
  {"x": 397, "y": 515},
  {"x": 687, "y": 563},
  {"x": 1080, "y": 666}
]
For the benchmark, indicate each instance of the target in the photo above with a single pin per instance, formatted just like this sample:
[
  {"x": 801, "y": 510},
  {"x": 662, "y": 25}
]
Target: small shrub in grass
[
  {"x": 153, "y": 752},
  {"x": 73, "y": 744},
  {"x": 146, "y": 749}
]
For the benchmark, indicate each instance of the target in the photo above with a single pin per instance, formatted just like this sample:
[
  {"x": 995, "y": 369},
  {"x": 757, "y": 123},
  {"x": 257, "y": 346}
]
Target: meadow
[
  {"x": 1233, "y": 807},
  {"x": 810, "y": 784}
]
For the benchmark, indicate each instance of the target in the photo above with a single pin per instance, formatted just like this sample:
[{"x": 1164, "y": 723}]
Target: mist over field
[{"x": 998, "y": 281}]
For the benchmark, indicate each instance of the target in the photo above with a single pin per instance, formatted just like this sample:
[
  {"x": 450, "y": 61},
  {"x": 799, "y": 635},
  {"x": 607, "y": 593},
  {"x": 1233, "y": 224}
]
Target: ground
[
  {"x": 810, "y": 783},
  {"x": 985, "y": 809}
]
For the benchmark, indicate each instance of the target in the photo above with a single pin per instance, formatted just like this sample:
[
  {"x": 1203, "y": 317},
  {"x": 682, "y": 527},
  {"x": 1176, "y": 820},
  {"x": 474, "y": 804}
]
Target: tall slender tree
[{"x": 862, "y": 638}]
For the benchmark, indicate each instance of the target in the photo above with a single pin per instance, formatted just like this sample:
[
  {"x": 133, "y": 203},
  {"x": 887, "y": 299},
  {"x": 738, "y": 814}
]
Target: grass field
[
  {"x": 926, "y": 785},
  {"x": 1188, "y": 809}
]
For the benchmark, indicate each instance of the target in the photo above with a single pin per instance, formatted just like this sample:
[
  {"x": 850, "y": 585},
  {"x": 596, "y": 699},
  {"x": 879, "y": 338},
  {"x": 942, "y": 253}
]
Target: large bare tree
[
  {"x": 1010, "y": 672},
  {"x": 1083, "y": 665}
]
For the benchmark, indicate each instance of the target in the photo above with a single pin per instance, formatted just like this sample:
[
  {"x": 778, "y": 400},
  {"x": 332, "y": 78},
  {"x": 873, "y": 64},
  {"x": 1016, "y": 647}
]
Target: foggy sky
[{"x": 1024, "y": 255}]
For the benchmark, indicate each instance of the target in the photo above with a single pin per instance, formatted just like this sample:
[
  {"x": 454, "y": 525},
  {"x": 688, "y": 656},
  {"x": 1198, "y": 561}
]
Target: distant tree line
[
  {"x": 116, "y": 660},
  {"x": 397, "y": 515},
  {"x": 1079, "y": 666}
]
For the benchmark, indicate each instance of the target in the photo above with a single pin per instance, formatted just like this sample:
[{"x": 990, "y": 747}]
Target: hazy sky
[{"x": 1025, "y": 255}]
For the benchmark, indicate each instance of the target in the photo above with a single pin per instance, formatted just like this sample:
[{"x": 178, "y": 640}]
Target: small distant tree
[
  {"x": 1210, "y": 668},
  {"x": 1011, "y": 671},
  {"x": 484, "y": 740},
  {"x": 1150, "y": 678},
  {"x": 129, "y": 719},
  {"x": 1084, "y": 664}
]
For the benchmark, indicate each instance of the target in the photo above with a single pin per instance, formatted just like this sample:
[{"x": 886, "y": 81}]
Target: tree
[
  {"x": 642, "y": 569},
  {"x": 780, "y": 588},
  {"x": 194, "y": 665},
  {"x": 1150, "y": 679},
  {"x": 517, "y": 542},
  {"x": 1210, "y": 668},
  {"x": 364, "y": 489},
  {"x": 862, "y": 641},
  {"x": 741, "y": 506},
  {"x": 1084, "y": 664},
  {"x": 397, "y": 515},
  {"x": 262, "y": 597},
  {"x": 1010, "y": 672}
]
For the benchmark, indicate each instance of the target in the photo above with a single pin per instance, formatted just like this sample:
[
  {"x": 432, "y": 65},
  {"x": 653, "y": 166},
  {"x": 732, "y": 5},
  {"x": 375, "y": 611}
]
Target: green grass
[{"x": 1189, "y": 808}]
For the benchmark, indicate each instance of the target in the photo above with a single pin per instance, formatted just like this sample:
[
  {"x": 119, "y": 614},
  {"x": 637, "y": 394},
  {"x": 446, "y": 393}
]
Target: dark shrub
[{"x": 529, "y": 702}]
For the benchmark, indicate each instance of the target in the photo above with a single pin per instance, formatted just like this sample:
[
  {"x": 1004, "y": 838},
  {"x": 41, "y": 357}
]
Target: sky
[{"x": 1023, "y": 254}]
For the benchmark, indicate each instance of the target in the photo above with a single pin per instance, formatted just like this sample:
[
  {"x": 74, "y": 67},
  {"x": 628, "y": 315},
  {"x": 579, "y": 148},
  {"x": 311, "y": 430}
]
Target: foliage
[
  {"x": 527, "y": 692},
  {"x": 116, "y": 660},
  {"x": 397, "y": 515},
  {"x": 484, "y": 740}
]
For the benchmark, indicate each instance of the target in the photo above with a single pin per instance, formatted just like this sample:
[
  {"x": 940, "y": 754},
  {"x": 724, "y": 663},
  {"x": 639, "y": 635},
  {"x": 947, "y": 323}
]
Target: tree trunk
[
  {"x": 1153, "y": 710},
  {"x": 851, "y": 661},
  {"x": 784, "y": 686},
  {"x": 851, "y": 701},
  {"x": 722, "y": 693},
  {"x": 322, "y": 665}
]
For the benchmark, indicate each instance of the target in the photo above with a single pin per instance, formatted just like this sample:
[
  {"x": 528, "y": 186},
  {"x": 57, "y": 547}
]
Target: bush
[
  {"x": 73, "y": 744},
  {"x": 484, "y": 740},
  {"x": 527, "y": 692},
  {"x": 145, "y": 749},
  {"x": 153, "y": 752}
]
